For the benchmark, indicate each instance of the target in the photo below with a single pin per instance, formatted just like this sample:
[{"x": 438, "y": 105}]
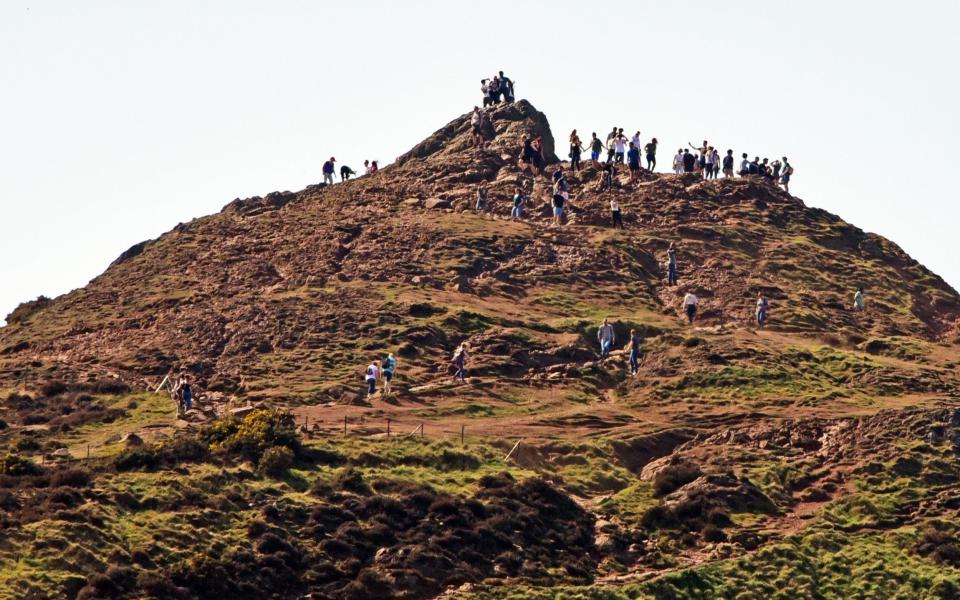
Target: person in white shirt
[
  {"x": 615, "y": 214},
  {"x": 620, "y": 148},
  {"x": 690, "y": 302},
  {"x": 373, "y": 373},
  {"x": 636, "y": 140},
  {"x": 678, "y": 162},
  {"x": 744, "y": 166}
]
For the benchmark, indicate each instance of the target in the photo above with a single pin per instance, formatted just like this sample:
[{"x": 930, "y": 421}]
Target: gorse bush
[
  {"x": 18, "y": 466},
  {"x": 253, "y": 435}
]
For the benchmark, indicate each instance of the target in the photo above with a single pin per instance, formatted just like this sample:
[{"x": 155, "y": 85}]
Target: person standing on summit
[
  {"x": 328, "y": 171},
  {"x": 576, "y": 148},
  {"x": 506, "y": 88},
  {"x": 596, "y": 146},
  {"x": 689, "y": 161},
  {"x": 607, "y": 338},
  {"x": 651, "y": 150}
]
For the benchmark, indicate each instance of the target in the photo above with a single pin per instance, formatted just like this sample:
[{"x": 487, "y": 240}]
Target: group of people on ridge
[
  {"x": 369, "y": 167},
  {"x": 497, "y": 88}
]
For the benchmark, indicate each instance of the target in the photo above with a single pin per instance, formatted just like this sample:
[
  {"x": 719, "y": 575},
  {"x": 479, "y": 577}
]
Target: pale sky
[{"x": 119, "y": 119}]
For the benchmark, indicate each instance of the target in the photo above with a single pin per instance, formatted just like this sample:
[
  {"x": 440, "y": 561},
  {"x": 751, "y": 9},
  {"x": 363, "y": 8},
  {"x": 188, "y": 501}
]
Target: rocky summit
[{"x": 817, "y": 457}]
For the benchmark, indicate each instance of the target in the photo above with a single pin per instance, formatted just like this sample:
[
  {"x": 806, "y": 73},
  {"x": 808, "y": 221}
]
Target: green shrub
[
  {"x": 276, "y": 461},
  {"x": 253, "y": 435},
  {"x": 17, "y": 466}
]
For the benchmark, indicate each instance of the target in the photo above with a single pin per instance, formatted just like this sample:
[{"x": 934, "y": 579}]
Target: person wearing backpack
[
  {"x": 728, "y": 165},
  {"x": 787, "y": 174},
  {"x": 388, "y": 369},
  {"x": 372, "y": 374},
  {"x": 328, "y": 171}
]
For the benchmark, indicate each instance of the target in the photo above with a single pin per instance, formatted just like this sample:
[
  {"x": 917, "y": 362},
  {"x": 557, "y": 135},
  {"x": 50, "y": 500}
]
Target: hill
[{"x": 816, "y": 455}]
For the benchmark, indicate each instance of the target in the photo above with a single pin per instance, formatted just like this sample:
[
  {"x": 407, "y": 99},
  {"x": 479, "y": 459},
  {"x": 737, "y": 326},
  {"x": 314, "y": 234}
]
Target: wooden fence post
[
  {"x": 462, "y": 427},
  {"x": 388, "y": 428}
]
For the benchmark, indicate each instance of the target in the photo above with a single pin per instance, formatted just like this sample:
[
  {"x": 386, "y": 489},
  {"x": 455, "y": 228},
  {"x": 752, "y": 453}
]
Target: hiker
[
  {"x": 755, "y": 166},
  {"x": 607, "y": 171},
  {"x": 775, "y": 167},
  {"x": 575, "y": 149},
  {"x": 690, "y": 302},
  {"x": 615, "y": 215},
  {"x": 708, "y": 159},
  {"x": 519, "y": 202},
  {"x": 526, "y": 155},
  {"x": 744, "y": 166},
  {"x": 635, "y": 341},
  {"x": 372, "y": 374},
  {"x": 346, "y": 173},
  {"x": 633, "y": 162},
  {"x": 671, "y": 265},
  {"x": 486, "y": 88},
  {"x": 481, "y": 198},
  {"x": 611, "y": 149},
  {"x": 620, "y": 146},
  {"x": 728, "y": 165},
  {"x": 389, "y": 367},
  {"x": 595, "y": 147},
  {"x": 715, "y": 161},
  {"x": 328, "y": 171},
  {"x": 787, "y": 174},
  {"x": 506, "y": 88},
  {"x": 701, "y": 157},
  {"x": 539, "y": 163},
  {"x": 183, "y": 393},
  {"x": 858, "y": 303},
  {"x": 560, "y": 196},
  {"x": 607, "y": 338},
  {"x": 460, "y": 363},
  {"x": 765, "y": 170},
  {"x": 635, "y": 140},
  {"x": 651, "y": 151},
  {"x": 475, "y": 120},
  {"x": 366, "y": 167},
  {"x": 373, "y": 167},
  {"x": 678, "y": 162},
  {"x": 762, "y": 307},
  {"x": 689, "y": 161}
]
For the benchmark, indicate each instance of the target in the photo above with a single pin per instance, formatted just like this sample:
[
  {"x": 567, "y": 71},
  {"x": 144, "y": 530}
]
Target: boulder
[
  {"x": 436, "y": 203},
  {"x": 132, "y": 439}
]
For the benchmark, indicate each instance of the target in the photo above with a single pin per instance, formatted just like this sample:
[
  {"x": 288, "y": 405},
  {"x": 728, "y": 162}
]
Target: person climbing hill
[
  {"x": 346, "y": 173},
  {"x": 858, "y": 301},
  {"x": 616, "y": 216},
  {"x": 459, "y": 363},
  {"x": 607, "y": 338},
  {"x": 763, "y": 306},
  {"x": 690, "y": 303},
  {"x": 183, "y": 393},
  {"x": 388, "y": 369},
  {"x": 671, "y": 265},
  {"x": 371, "y": 375},
  {"x": 328, "y": 171},
  {"x": 519, "y": 202}
]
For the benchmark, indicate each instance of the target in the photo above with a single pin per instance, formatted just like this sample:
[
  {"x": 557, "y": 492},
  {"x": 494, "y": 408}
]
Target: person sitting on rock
[
  {"x": 607, "y": 338},
  {"x": 755, "y": 166},
  {"x": 744, "y": 166},
  {"x": 328, "y": 171},
  {"x": 460, "y": 363},
  {"x": 858, "y": 301},
  {"x": 506, "y": 88},
  {"x": 373, "y": 167},
  {"x": 635, "y": 342},
  {"x": 372, "y": 374},
  {"x": 346, "y": 173},
  {"x": 690, "y": 302},
  {"x": 762, "y": 307},
  {"x": 519, "y": 202},
  {"x": 671, "y": 265},
  {"x": 596, "y": 146},
  {"x": 607, "y": 172},
  {"x": 481, "y": 198},
  {"x": 388, "y": 369}
]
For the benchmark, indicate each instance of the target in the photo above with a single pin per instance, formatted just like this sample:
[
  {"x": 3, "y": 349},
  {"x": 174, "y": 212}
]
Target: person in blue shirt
[
  {"x": 388, "y": 368},
  {"x": 328, "y": 171},
  {"x": 633, "y": 161}
]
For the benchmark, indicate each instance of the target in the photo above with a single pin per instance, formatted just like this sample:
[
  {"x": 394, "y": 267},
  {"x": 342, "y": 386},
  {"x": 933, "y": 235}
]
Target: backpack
[{"x": 788, "y": 170}]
